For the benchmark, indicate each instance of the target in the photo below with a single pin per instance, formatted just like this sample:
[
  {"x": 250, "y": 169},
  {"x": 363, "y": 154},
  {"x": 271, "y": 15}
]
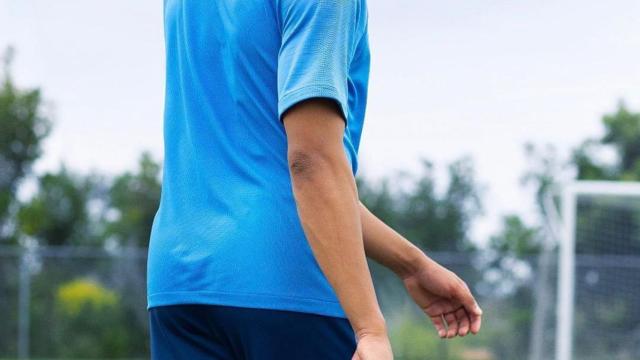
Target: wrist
[
  {"x": 369, "y": 323},
  {"x": 414, "y": 260},
  {"x": 375, "y": 329}
]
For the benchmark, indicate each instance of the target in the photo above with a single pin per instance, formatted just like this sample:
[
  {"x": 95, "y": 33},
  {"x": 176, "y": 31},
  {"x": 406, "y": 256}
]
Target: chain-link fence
[
  {"x": 78, "y": 302},
  {"x": 71, "y": 302}
]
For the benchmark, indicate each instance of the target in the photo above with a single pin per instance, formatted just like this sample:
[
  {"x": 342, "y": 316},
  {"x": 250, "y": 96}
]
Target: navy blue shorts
[{"x": 196, "y": 332}]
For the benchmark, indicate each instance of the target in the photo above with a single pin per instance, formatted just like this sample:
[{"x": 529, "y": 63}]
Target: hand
[
  {"x": 443, "y": 296},
  {"x": 373, "y": 347}
]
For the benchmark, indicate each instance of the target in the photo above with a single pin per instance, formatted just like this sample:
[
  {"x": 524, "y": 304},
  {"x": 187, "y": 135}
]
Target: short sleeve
[{"x": 318, "y": 43}]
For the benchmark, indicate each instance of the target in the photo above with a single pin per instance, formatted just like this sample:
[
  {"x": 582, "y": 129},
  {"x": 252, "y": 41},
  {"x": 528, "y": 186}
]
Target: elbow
[
  {"x": 305, "y": 164},
  {"x": 308, "y": 163},
  {"x": 315, "y": 172}
]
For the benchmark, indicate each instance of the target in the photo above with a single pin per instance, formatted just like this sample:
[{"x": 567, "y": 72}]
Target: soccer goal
[{"x": 598, "y": 304}]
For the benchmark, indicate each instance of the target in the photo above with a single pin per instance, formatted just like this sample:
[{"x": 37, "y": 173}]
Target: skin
[{"x": 342, "y": 232}]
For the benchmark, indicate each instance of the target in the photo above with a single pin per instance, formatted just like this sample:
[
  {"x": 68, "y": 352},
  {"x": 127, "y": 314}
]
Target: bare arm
[{"x": 328, "y": 206}]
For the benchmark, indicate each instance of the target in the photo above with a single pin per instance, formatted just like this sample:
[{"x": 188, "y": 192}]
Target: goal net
[{"x": 598, "y": 309}]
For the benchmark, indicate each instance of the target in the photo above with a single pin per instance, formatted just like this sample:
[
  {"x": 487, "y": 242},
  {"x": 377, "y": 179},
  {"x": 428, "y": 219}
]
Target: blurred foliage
[
  {"x": 622, "y": 135},
  {"x": 589, "y": 166},
  {"x": 78, "y": 310},
  {"x": 79, "y": 294},
  {"x": 134, "y": 199},
  {"x": 23, "y": 126},
  {"x": 509, "y": 274},
  {"x": 69, "y": 209},
  {"x": 433, "y": 221},
  {"x": 90, "y": 323},
  {"x": 79, "y": 318},
  {"x": 57, "y": 213},
  {"x": 544, "y": 167},
  {"x": 516, "y": 239},
  {"x": 413, "y": 340}
]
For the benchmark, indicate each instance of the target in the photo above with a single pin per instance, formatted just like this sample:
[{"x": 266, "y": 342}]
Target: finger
[
  {"x": 476, "y": 323},
  {"x": 463, "y": 295},
  {"x": 452, "y": 324},
  {"x": 463, "y": 321},
  {"x": 440, "y": 307},
  {"x": 438, "y": 323}
]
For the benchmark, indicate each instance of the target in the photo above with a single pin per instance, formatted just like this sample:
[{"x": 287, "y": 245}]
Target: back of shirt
[{"x": 227, "y": 230}]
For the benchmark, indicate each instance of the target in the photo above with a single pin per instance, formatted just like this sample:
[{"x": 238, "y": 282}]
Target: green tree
[
  {"x": 133, "y": 202},
  {"x": 516, "y": 239},
  {"x": 23, "y": 127},
  {"x": 510, "y": 278},
  {"x": 57, "y": 213},
  {"x": 84, "y": 319},
  {"x": 433, "y": 221},
  {"x": 622, "y": 134}
]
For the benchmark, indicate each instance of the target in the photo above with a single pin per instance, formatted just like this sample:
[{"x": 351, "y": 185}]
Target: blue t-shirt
[{"x": 227, "y": 230}]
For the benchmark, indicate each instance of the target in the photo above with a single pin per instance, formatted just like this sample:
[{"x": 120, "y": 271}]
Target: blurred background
[{"x": 481, "y": 118}]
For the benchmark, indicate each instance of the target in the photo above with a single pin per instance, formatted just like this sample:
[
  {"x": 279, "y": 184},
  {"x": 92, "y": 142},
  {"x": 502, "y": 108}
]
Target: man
[{"x": 258, "y": 247}]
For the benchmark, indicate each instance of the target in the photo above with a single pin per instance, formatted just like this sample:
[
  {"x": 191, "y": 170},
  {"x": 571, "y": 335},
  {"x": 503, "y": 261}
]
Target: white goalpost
[{"x": 625, "y": 193}]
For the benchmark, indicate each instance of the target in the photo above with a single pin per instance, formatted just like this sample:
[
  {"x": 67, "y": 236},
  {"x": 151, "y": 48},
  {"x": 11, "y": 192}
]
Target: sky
[{"x": 448, "y": 79}]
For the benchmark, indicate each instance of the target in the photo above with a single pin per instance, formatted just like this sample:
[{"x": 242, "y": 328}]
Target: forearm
[
  {"x": 328, "y": 206},
  {"x": 387, "y": 247}
]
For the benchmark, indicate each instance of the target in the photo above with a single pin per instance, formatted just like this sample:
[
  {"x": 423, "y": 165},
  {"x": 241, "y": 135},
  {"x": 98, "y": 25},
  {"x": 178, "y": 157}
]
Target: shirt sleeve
[{"x": 318, "y": 43}]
